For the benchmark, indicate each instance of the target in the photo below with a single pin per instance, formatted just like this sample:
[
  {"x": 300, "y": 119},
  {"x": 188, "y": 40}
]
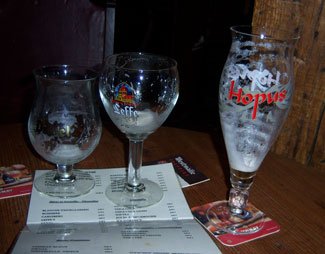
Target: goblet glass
[
  {"x": 64, "y": 127},
  {"x": 138, "y": 91},
  {"x": 255, "y": 95}
]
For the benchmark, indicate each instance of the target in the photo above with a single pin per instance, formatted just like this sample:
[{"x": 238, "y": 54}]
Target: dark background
[
  {"x": 197, "y": 35},
  {"x": 41, "y": 32}
]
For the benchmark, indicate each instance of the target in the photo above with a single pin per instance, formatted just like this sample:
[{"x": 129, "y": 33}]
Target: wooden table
[{"x": 286, "y": 191}]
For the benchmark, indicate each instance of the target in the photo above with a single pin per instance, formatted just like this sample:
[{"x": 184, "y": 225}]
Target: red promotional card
[
  {"x": 15, "y": 180},
  {"x": 236, "y": 233}
]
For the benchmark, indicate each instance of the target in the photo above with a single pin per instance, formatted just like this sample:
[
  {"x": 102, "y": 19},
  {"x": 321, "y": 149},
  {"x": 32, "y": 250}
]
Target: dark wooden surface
[{"x": 288, "y": 192}]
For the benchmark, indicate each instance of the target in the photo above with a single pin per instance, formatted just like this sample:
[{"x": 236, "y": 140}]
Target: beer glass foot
[
  {"x": 121, "y": 196},
  {"x": 249, "y": 221},
  {"x": 82, "y": 184}
]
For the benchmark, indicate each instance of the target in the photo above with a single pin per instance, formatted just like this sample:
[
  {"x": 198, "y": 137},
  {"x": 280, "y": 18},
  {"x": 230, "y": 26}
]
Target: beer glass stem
[
  {"x": 135, "y": 162},
  {"x": 237, "y": 201},
  {"x": 64, "y": 173},
  {"x": 238, "y": 195}
]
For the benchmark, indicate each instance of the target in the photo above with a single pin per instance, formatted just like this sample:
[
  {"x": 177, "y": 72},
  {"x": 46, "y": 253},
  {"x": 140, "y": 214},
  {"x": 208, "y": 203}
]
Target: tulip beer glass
[
  {"x": 255, "y": 95},
  {"x": 64, "y": 127}
]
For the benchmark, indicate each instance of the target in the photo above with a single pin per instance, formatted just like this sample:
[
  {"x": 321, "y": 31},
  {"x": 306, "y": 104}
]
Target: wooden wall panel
[{"x": 303, "y": 134}]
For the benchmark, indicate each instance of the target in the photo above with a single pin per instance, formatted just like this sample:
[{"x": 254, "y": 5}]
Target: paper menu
[
  {"x": 93, "y": 224},
  {"x": 177, "y": 237},
  {"x": 95, "y": 207}
]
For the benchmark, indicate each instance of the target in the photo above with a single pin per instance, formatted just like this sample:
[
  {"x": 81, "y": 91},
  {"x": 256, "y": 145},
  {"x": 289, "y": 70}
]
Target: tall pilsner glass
[
  {"x": 64, "y": 127},
  {"x": 138, "y": 91},
  {"x": 255, "y": 95}
]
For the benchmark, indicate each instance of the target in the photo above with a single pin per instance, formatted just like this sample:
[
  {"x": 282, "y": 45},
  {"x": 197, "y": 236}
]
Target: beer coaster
[
  {"x": 237, "y": 230},
  {"x": 15, "y": 180}
]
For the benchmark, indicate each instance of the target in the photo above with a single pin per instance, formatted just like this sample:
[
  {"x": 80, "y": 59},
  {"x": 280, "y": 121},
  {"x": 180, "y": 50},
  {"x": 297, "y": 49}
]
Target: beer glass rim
[
  {"x": 170, "y": 62},
  {"x": 85, "y": 73},
  {"x": 262, "y": 34}
]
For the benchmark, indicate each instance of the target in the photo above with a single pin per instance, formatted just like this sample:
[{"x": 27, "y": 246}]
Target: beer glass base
[
  {"x": 119, "y": 195},
  {"x": 221, "y": 217},
  {"x": 82, "y": 184}
]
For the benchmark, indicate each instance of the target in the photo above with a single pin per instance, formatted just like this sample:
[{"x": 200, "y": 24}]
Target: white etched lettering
[
  {"x": 261, "y": 79},
  {"x": 116, "y": 108},
  {"x": 127, "y": 111}
]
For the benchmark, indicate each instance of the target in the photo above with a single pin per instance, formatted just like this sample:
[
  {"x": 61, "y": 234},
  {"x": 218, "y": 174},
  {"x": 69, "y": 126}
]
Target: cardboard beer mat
[
  {"x": 237, "y": 231},
  {"x": 15, "y": 180}
]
